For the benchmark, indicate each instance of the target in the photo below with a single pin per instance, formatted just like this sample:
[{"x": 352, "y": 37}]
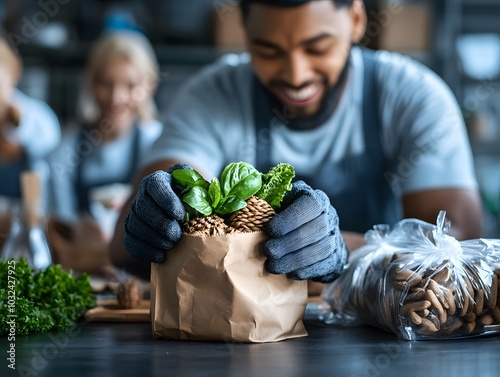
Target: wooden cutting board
[{"x": 111, "y": 311}]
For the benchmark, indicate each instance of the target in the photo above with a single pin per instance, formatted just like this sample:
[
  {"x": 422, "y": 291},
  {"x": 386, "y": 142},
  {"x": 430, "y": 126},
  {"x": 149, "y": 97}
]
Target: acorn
[
  {"x": 253, "y": 217},
  {"x": 129, "y": 294}
]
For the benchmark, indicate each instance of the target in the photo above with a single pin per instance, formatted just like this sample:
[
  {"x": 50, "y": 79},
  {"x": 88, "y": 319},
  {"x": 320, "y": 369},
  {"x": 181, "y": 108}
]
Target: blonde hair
[{"x": 137, "y": 50}]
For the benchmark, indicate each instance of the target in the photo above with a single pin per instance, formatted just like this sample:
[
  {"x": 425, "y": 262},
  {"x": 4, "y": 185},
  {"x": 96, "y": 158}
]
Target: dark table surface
[{"x": 128, "y": 349}]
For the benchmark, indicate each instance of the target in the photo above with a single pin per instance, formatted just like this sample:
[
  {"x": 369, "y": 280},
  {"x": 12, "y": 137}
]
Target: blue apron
[
  {"x": 82, "y": 188},
  {"x": 10, "y": 176},
  {"x": 355, "y": 185}
]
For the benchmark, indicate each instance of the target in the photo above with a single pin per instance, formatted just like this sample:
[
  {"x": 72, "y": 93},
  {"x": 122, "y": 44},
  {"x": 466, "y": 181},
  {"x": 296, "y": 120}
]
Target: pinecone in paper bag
[
  {"x": 253, "y": 217},
  {"x": 212, "y": 225}
]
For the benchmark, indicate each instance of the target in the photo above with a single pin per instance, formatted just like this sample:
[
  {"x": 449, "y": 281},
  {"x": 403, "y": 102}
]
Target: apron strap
[
  {"x": 385, "y": 206},
  {"x": 371, "y": 114}
]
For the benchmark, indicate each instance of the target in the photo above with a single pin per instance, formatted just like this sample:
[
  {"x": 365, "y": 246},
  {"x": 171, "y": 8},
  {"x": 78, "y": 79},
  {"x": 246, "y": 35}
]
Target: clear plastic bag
[{"x": 418, "y": 282}]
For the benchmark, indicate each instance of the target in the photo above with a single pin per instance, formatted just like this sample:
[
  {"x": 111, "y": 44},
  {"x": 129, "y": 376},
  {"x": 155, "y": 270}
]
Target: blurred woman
[
  {"x": 29, "y": 129},
  {"x": 100, "y": 155}
]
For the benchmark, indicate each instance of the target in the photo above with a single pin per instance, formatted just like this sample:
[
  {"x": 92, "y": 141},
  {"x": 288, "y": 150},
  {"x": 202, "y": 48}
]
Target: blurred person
[
  {"x": 29, "y": 129},
  {"x": 373, "y": 136},
  {"x": 101, "y": 153}
]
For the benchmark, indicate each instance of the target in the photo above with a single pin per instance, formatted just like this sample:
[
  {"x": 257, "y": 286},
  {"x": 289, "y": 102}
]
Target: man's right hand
[{"x": 152, "y": 225}]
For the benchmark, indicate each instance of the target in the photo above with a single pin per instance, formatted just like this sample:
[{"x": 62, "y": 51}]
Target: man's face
[{"x": 298, "y": 53}]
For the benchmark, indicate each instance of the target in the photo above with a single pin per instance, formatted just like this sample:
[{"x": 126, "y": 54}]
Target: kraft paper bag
[{"x": 215, "y": 288}]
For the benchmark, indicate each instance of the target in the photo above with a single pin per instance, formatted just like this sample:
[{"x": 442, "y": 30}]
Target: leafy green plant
[
  {"x": 275, "y": 183},
  {"x": 44, "y": 300},
  {"x": 238, "y": 182}
]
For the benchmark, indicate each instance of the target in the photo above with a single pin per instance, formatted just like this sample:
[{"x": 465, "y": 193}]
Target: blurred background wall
[{"x": 458, "y": 39}]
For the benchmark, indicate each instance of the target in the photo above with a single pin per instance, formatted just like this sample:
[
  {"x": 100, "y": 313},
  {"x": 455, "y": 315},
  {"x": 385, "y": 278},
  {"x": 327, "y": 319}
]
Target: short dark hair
[{"x": 244, "y": 4}]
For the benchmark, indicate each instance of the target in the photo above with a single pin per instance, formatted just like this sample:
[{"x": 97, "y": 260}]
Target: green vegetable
[
  {"x": 238, "y": 182},
  {"x": 189, "y": 178},
  {"x": 240, "y": 179},
  {"x": 276, "y": 183},
  {"x": 195, "y": 197},
  {"x": 230, "y": 205},
  {"x": 215, "y": 192},
  {"x": 44, "y": 300},
  {"x": 198, "y": 198}
]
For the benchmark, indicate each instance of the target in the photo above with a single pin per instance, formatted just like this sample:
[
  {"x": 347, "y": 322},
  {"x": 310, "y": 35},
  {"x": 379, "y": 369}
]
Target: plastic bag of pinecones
[{"x": 419, "y": 283}]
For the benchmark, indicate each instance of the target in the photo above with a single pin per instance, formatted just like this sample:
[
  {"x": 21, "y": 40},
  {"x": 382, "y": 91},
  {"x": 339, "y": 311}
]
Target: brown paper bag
[{"x": 216, "y": 288}]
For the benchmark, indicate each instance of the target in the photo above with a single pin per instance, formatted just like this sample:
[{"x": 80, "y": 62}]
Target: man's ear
[{"x": 358, "y": 20}]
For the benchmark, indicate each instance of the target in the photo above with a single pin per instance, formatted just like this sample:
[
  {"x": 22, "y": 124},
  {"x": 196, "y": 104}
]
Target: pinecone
[
  {"x": 129, "y": 294},
  {"x": 253, "y": 217},
  {"x": 212, "y": 225}
]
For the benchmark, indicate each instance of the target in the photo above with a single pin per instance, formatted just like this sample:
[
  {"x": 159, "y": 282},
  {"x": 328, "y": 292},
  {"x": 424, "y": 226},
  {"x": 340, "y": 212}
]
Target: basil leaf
[
  {"x": 214, "y": 192},
  {"x": 230, "y": 204},
  {"x": 191, "y": 213},
  {"x": 189, "y": 178},
  {"x": 198, "y": 199},
  {"x": 240, "y": 179}
]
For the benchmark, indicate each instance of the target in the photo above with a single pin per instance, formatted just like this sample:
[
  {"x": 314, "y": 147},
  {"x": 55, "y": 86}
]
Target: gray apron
[
  {"x": 355, "y": 185},
  {"x": 82, "y": 188},
  {"x": 10, "y": 176}
]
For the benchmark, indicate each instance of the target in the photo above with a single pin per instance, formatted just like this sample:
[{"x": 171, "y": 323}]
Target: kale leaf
[{"x": 275, "y": 183}]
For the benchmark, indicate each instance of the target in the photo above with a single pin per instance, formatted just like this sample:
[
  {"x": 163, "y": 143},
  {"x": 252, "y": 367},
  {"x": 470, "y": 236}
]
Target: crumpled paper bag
[{"x": 216, "y": 289}]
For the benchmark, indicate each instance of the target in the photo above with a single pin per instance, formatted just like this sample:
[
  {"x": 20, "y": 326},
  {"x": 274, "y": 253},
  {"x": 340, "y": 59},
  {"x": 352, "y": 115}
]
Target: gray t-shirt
[{"x": 211, "y": 124}]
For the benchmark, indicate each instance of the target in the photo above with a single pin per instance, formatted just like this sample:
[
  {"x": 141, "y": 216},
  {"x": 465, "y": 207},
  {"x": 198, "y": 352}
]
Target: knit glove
[
  {"x": 305, "y": 240},
  {"x": 153, "y": 223}
]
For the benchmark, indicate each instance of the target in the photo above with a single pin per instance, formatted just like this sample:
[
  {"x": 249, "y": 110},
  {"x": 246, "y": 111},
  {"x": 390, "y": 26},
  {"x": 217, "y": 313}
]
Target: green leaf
[
  {"x": 230, "y": 204},
  {"x": 276, "y": 183},
  {"x": 45, "y": 300},
  {"x": 240, "y": 179},
  {"x": 189, "y": 178},
  {"x": 191, "y": 213},
  {"x": 214, "y": 192},
  {"x": 198, "y": 199}
]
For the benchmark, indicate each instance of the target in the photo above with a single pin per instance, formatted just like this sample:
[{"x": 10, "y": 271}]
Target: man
[{"x": 380, "y": 134}]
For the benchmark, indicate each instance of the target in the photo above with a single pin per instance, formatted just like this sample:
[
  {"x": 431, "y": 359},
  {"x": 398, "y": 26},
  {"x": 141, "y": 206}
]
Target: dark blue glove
[
  {"x": 152, "y": 226},
  {"x": 305, "y": 238}
]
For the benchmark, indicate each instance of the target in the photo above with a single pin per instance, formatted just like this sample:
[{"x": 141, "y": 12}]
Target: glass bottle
[{"x": 27, "y": 236}]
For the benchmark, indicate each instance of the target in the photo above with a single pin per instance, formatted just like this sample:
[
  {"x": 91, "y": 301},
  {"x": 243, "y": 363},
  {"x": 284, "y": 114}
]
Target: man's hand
[
  {"x": 152, "y": 225},
  {"x": 306, "y": 242}
]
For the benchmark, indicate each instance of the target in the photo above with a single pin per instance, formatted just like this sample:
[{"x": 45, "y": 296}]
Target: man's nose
[{"x": 297, "y": 70}]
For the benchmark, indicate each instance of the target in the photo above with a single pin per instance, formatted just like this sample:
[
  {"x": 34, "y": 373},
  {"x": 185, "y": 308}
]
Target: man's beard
[{"x": 328, "y": 105}]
